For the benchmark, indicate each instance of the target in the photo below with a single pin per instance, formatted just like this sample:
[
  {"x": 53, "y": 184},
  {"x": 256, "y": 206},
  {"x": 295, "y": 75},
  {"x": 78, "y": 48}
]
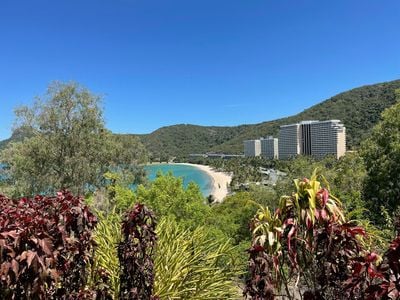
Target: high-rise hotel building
[
  {"x": 316, "y": 138},
  {"x": 289, "y": 141},
  {"x": 269, "y": 147},
  {"x": 252, "y": 148}
]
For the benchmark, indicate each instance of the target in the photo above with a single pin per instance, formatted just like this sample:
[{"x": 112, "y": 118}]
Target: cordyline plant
[
  {"x": 307, "y": 250},
  {"x": 135, "y": 253},
  {"x": 45, "y": 247}
]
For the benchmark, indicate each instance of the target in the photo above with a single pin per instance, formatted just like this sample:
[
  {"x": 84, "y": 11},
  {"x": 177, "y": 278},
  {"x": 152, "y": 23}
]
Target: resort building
[
  {"x": 269, "y": 147},
  {"x": 252, "y": 148},
  {"x": 328, "y": 137},
  {"x": 289, "y": 141},
  {"x": 316, "y": 138}
]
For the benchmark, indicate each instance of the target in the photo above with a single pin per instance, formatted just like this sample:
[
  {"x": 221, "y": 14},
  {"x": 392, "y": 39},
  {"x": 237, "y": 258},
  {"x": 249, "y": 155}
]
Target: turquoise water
[{"x": 187, "y": 173}]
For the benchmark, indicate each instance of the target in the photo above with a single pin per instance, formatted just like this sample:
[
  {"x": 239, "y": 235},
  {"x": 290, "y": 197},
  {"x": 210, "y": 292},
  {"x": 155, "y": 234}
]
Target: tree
[
  {"x": 68, "y": 145},
  {"x": 381, "y": 153},
  {"x": 166, "y": 196}
]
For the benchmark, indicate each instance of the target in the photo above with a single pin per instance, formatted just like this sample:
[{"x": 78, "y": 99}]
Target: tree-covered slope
[
  {"x": 183, "y": 139},
  {"x": 359, "y": 109},
  {"x": 17, "y": 136}
]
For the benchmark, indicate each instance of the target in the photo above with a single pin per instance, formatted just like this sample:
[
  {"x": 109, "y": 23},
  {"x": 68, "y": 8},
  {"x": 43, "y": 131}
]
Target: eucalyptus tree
[{"x": 67, "y": 145}]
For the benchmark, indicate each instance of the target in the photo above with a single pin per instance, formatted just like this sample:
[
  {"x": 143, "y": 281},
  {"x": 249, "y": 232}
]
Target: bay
[{"x": 186, "y": 172}]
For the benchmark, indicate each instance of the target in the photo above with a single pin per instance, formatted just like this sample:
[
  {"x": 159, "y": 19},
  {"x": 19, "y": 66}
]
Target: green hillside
[
  {"x": 17, "y": 136},
  {"x": 359, "y": 109}
]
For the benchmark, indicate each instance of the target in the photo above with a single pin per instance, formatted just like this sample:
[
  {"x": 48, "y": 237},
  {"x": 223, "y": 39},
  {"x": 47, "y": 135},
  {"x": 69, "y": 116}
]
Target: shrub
[
  {"x": 107, "y": 236},
  {"x": 45, "y": 246},
  {"x": 307, "y": 249},
  {"x": 191, "y": 265},
  {"x": 167, "y": 196},
  {"x": 135, "y": 253}
]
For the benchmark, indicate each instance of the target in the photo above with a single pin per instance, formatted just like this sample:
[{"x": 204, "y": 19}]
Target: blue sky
[{"x": 207, "y": 62}]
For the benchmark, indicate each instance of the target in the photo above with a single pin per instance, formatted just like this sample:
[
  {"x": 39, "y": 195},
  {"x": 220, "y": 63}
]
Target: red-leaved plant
[
  {"x": 135, "y": 254},
  {"x": 307, "y": 250},
  {"x": 45, "y": 246}
]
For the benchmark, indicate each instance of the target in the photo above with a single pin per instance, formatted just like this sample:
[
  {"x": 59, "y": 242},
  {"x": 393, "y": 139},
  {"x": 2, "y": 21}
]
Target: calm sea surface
[{"x": 187, "y": 173}]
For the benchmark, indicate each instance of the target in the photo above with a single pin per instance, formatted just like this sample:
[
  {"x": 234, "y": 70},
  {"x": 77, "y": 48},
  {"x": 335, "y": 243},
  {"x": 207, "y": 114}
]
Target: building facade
[
  {"x": 328, "y": 138},
  {"x": 252, "y": 148},
  {"x": 316, "y": 138},
  {"x": 269, "y": 148},
  {"x": 289, "y": 141}
]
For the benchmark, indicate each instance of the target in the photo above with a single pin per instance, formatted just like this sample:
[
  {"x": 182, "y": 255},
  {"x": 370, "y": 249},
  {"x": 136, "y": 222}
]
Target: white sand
[{"x": 221, "y": 181}]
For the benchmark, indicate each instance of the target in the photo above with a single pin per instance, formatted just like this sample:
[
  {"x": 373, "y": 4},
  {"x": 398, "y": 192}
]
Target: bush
[
  {"x": 167, "y": 196},
  {"x": 45, "y": 246},
  {"x": 191, "y": 265},
  {"x": 307, "y": 248},
  {"x": 107, "y": 236},
  {"x": 135, "y": 253}
]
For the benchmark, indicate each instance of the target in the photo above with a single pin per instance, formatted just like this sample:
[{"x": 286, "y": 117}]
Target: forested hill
[
  {"x": 17, "y": 136},
  {"x": 359, "y": 109}
]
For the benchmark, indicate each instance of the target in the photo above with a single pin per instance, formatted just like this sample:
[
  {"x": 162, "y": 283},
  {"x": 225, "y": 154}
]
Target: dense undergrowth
[
  {"x": 56, "y": 248},
  {"x": 307, "y": 249}
]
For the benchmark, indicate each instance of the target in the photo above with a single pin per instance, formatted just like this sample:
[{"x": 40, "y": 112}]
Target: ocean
[{"x": 187, "y": 173}]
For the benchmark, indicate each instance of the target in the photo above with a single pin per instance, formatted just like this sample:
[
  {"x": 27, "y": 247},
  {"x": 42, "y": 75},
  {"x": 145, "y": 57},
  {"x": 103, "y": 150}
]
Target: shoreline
[{"x": 220, "y": 181}]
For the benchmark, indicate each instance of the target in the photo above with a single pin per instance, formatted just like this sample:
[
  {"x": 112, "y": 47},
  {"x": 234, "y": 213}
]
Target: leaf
[
  {"x": 30, "y": 257},
  {"x": 47, "y": 246},
  {"x": 271, "y": 238},
  {"x": 15, "y": 267}
]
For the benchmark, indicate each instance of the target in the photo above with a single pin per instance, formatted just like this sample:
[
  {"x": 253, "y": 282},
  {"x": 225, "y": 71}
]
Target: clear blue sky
[{"x": 207, "y": 62}]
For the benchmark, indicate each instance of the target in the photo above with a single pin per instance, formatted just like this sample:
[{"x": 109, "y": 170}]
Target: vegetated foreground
[{"x": 306, "y": 247}]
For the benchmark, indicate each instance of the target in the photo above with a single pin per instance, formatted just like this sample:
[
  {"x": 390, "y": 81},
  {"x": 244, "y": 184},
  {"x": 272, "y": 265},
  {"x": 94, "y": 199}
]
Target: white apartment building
[
  {"x": 269, "y": 147},
  {"x": 289, "y": 141},
  {"x": 328, "y": 137},
  {"x": 252, "y": 148},
  {"x": 316, "y": 138}
]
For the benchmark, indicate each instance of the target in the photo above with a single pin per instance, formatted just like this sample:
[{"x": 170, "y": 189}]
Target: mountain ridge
[{"x": 359, "y": 109}]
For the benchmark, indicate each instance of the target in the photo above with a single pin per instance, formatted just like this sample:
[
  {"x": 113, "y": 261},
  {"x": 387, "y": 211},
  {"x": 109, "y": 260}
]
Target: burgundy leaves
[
  {"x": 45, "y": 244},
  {"x": 135, "y": 254},
  {"x": 307, "y": 248}
]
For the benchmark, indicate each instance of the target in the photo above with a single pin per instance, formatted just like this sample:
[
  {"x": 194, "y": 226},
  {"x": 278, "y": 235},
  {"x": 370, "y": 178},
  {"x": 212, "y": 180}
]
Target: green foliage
[
  {"x": 381, "y": 153},
  {"x": 232, "y": 216},
  {"x": 264, "y": 195},
  {"x": 67, "y": 145},
  {"x": 119, "y": 191},
  {"x": 307, "y": 250},
  {"x": 130, "y": 150},
  {"x": 181, "y": 140},
  {"x": 307, "y": 241},
  {"x": 107, "y": 236},
  {"x": 346, "y": 176},
  {"x": 190, "y": 265},
  {"x": 359, "y": 109},
  {"x": 166, "y": 196},
  {"x": 243, "y": 170}
]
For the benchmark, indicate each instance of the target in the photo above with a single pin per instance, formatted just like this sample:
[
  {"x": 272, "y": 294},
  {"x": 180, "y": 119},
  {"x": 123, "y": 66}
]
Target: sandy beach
[{"x": 221, "y": 181}]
